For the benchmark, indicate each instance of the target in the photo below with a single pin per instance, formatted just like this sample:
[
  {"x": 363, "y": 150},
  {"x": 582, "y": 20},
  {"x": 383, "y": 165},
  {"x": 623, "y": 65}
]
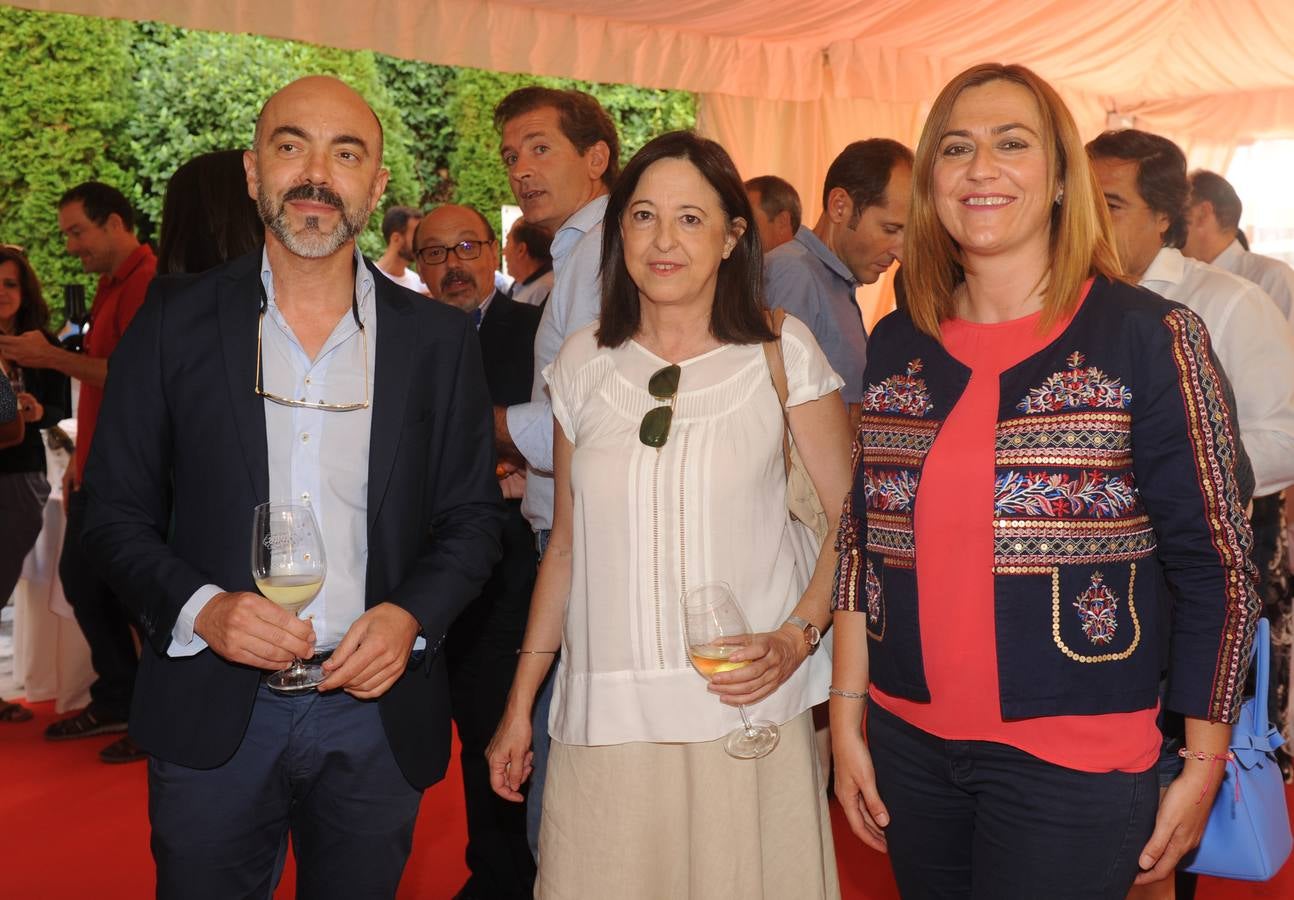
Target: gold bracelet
[
  {"x": 848, "y": 695},
  {"x": 520, "y": 651}
]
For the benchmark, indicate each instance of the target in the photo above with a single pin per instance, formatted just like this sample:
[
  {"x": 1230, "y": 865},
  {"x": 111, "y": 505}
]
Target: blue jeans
[
  {"x": 978, "y": 819},
  {"x": 539, "y": 740}
]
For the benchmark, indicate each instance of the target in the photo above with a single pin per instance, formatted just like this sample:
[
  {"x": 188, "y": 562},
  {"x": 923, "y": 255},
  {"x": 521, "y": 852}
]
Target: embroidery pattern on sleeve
[{"x": 1209, "y": 429}]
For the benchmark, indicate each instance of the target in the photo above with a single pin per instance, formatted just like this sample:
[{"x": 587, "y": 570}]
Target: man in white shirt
[
  {"x": 562, "y": 155},
  {"x": 1143, "y": 177},
  {"x": 1213, "y": 221},
  {"x": 396, "y": 263}
]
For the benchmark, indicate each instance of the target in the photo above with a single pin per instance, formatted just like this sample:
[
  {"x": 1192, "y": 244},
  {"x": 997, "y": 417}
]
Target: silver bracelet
[{"x": 848, "y": 695}]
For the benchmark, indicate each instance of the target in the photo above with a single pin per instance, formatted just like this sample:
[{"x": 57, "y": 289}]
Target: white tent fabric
[{"x": 785, "y": 86}]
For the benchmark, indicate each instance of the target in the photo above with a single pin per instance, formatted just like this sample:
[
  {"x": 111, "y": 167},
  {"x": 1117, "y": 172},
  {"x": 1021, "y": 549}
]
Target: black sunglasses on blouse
[{"x": 663, "y": 385}]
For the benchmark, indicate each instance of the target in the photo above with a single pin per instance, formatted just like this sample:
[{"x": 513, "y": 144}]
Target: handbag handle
[{"x": 1259, "y": 657}]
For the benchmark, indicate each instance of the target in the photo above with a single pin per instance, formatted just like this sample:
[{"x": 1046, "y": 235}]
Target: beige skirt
[{"x": 675, "y": 821}]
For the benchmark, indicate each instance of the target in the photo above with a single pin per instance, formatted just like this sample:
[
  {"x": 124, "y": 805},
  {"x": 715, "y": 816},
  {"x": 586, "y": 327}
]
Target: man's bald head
[{"x": 312, "y": 88}]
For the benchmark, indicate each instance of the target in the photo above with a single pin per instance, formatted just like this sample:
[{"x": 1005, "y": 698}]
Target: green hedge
[
  {"x": 66, "y": 100},
  {"x": 127, "y": 103}
]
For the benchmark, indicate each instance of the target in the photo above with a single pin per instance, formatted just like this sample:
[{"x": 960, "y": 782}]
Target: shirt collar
[
  {"x": 485, "y": 305},
  {"x": 538, "y": 274},
  {"x": 364, "y": 284},
  {"x": 581, "y": 222},
  {"x": 815, "y": 246},
  {"x": 1168, "y": 267},
  {"x": 1230, "y": 256},
  {"x": 130, "y": 264}
]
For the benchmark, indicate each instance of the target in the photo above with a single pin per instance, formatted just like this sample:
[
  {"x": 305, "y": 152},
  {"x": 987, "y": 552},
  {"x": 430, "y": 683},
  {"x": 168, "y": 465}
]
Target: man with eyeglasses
[
  {"x": 457, "y": 252},
  {"x": 302, "y": 374},
  {"x": 562, "y": 155}
]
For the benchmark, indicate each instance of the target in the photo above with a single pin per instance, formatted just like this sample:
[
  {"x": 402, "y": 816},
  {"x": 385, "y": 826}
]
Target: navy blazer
[
  {"x": 180, "y": 458},
  {"x": 1119, "y": 520}
]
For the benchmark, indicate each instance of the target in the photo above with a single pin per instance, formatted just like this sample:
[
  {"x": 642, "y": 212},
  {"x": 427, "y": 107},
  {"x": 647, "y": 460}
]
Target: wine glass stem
[{"x": 750, "y": 729}]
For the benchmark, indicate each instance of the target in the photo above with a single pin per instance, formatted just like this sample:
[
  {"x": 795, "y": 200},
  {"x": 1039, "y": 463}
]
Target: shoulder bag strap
[{"x": 777, "y": 370}]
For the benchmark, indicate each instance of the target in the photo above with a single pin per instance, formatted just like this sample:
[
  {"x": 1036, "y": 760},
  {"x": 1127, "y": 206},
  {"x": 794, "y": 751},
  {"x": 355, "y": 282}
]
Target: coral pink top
[{"x": 954, "y": 562}]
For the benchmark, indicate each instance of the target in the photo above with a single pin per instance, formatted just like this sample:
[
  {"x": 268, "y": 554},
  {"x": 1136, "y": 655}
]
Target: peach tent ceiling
[{"x": 785, "y": 85}]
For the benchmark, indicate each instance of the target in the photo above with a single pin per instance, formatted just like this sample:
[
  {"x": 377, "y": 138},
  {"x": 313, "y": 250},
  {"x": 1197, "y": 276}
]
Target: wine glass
[
  {"x": 288, "y": 567},
  {"x": 714, "y": 628}
]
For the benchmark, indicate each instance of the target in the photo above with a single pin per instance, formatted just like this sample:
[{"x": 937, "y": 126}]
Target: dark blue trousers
[
  {"x": 976, "y": 819},
  {"x": 317, "y": 767}
]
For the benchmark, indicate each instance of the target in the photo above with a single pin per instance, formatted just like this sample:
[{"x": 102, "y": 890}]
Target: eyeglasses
[
  {"x": 309, "y": 404},
  {"x": 434, "y": 255},
  {"x": 663, "y": 385}
]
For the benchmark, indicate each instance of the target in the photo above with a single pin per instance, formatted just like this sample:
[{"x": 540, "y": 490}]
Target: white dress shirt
[
  {"x": 576, "y": 301},
  {"x": 1256, "y": 348},
  {"x": 319, "y": 457},
  {"x": 1273, "y": 276}
]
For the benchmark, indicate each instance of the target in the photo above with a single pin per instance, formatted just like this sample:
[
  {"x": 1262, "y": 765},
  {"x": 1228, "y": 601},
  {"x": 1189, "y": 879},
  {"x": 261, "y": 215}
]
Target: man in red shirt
[{"x": 99, "y": 227}]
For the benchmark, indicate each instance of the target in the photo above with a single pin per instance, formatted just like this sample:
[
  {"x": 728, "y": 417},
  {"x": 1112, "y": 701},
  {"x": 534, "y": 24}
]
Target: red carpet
[{"x": 75, "y": 828}]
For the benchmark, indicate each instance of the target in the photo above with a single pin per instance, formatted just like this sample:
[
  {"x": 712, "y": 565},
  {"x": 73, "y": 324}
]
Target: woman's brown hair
[{"x": 33, "y": 313}]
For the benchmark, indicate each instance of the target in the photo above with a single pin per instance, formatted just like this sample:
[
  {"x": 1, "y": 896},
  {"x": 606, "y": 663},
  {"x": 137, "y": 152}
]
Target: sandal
[{"x": 14, "y": 712}]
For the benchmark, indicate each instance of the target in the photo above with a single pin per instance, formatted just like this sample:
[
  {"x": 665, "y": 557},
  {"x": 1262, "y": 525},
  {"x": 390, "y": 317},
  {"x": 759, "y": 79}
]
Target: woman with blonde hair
[{"x": 1049, "y": 494}]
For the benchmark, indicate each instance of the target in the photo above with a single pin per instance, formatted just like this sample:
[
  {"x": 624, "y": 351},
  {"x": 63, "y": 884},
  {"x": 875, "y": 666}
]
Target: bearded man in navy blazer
[{"x": 297, "y": 373}]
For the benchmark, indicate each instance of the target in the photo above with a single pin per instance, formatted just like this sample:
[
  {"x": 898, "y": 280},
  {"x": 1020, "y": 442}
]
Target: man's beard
[{"x": 310, "y": 242}]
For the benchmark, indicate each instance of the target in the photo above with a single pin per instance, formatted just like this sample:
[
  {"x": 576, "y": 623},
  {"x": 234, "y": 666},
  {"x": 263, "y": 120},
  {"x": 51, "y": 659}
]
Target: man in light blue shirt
[
  {"x": 856, "y": 239},
  {"x": 562, "y": 155}
]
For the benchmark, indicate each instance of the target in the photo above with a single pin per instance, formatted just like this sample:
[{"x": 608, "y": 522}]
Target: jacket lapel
[
  {"x": 392, "y": 370},
  {"x": 239, "y": 314}
]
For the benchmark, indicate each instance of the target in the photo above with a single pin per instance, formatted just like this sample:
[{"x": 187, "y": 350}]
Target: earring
[{"x": 1060, "y": 195}]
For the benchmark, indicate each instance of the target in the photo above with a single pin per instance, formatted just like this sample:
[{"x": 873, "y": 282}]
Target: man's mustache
[
  {"x": 313, "y": 193},
  {"x": 455, "y": 277}
]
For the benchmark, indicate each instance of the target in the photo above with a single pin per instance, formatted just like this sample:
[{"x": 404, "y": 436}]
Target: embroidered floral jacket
[{"x": 1120, "y": 538}]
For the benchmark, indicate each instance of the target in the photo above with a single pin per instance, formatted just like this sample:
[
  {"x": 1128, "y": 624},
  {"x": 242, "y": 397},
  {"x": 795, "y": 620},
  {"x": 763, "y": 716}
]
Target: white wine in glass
[
  {"x": 714, "y": 628},
  {"x": 288, "y": 568}
]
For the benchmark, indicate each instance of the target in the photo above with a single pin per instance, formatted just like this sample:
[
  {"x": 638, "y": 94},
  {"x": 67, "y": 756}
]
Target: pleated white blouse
[{"x": 649, "y": 524}]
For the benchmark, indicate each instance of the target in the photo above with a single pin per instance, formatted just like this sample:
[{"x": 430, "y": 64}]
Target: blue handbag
[{"x": 1248, "y": 839}]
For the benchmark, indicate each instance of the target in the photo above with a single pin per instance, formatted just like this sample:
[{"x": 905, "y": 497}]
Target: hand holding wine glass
[
  {"x": 715, "y": 628},
  {"x": 288, "y": 568}
]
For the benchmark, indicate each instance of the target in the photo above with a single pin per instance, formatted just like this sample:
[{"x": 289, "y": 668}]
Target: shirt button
[
  {"x": 305, "y": 438},
  {"x": 305, "y": 495},
  {"x": 308, "y": 379}
]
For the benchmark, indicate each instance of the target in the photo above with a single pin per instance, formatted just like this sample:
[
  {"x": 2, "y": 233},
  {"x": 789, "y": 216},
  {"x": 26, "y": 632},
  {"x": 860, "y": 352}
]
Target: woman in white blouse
[{"x": 641, "y": 798}]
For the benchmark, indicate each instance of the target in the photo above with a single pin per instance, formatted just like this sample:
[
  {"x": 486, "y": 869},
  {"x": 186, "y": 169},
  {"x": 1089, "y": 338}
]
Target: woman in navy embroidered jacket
[{"x": 1117, "y": 532}]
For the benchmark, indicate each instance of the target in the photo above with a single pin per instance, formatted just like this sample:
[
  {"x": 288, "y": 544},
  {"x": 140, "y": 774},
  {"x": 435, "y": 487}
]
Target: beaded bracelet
[
  {"x": 1215, "y": 758},
  {"x": 544, "y": 652},
  {"x": 848, "y": 695},
  {"x": 1205, "y": 757}
]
